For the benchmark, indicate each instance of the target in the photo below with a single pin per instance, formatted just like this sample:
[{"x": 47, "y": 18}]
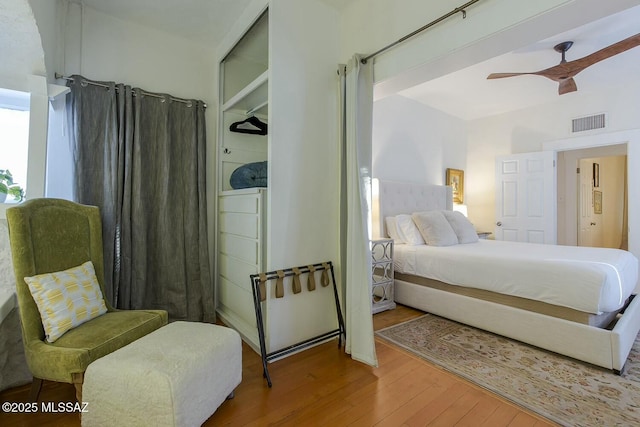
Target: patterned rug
[{"x": 564, "y": 390}]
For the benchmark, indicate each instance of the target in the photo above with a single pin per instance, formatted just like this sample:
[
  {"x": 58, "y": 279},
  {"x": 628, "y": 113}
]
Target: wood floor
[{"x": 324, "y": 387}]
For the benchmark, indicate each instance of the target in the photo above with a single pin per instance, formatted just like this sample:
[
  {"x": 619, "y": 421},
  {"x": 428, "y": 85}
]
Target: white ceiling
[
  {"x": 469, "y": 95},
  {"x": 202, "y": 21},
  {"x": 465, "y": 93}
]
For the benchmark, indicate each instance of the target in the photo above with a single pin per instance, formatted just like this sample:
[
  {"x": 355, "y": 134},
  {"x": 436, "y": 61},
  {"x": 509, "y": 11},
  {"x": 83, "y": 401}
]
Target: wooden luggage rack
[{"x": 258, "y": 285}]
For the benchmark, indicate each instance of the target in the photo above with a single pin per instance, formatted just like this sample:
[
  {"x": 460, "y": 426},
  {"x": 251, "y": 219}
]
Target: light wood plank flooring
[{"x": 322, "y": 386}]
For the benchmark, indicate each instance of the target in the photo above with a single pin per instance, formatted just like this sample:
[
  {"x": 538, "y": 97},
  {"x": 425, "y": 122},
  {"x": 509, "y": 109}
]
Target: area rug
[{"x": 564, "y": 390}]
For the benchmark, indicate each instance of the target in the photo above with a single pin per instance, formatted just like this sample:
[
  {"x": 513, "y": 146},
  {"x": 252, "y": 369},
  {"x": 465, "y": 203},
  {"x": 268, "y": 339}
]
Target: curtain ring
[
  {"x": 189, "y": 104},
  {"x": 84, "y": 83}
]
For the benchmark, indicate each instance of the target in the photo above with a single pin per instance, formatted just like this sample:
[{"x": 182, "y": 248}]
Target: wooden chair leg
[
  {"x": 78, "y": 379},
  {"x": 36, "y": 386}
]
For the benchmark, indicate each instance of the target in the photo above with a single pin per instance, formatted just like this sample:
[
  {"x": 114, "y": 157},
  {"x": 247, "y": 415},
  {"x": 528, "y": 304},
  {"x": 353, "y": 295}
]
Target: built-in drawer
[
  {"x": 239, "y": 247},
  {"x": 238, "y": 300},
  {"x": 239, "y": 204},
  {"x": 241, "y": 224},
  {"x": 236, "y": 271}
]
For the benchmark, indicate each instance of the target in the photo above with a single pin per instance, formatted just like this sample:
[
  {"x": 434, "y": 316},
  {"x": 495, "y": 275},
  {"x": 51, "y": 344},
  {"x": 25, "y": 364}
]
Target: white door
[
  {"x": 586, "y": 220},
  {"x": 526, "y": 197}
]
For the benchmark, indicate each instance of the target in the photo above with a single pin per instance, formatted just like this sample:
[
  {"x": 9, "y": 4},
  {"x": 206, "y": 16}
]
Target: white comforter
[{"x": 592, "y": 280}]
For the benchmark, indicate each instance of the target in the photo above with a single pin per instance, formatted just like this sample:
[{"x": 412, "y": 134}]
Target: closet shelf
[{"x": 254, "y": 96}]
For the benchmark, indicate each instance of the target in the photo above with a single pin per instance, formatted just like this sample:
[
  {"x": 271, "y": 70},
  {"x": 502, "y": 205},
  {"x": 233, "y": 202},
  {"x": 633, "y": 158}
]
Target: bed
[{"x": 586, "y": 310}]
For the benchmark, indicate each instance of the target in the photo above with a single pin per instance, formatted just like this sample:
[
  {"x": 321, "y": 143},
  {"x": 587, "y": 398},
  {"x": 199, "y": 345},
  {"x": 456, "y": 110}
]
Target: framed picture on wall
[
  {"x": 597, "y": 202},
  {"x": 596, "y": 175},
  {"x": 455, "y": 179}
]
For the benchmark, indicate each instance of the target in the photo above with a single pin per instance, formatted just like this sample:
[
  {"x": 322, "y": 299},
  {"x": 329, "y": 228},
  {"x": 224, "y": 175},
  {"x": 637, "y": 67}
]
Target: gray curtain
[{"x": 141, "y": 159}]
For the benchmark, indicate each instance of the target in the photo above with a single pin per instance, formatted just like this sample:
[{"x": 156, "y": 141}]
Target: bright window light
[{"x": 14, "y": 145}]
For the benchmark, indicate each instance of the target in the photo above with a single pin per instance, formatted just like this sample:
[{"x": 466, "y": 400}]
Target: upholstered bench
[{"x": 176, "y": 376}]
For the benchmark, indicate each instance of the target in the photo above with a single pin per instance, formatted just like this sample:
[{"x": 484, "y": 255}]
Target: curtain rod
[
  {"x": 153, "y": 95},
  {"x": 460, "y": 9}
]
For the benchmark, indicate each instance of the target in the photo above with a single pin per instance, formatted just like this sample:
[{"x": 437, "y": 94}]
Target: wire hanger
[{"x": 252, "y": 125}]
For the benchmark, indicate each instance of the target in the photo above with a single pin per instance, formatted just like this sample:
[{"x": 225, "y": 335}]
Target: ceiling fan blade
[
  {"x": 566, "y": 86},
  {"x": 604, "y": 53},
  {"x": 503, "y": 75},
  {"x": 564, "y": 72}
]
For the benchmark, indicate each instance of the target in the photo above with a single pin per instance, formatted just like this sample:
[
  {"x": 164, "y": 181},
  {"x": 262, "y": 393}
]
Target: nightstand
[
  {"x": 484, "y": 234},
  {"x": 382, "y": 274}
]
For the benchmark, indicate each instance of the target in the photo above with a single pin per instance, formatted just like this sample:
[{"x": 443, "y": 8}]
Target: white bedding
[{"x": 593, "y": 280}]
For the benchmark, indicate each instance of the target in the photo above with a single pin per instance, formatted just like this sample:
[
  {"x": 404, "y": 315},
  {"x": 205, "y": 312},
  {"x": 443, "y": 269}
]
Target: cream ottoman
[{"x": 177, "y": 375}]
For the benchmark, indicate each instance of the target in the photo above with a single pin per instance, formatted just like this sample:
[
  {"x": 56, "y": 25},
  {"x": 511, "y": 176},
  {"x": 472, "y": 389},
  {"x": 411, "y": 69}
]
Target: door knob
[
  {"x": 499, "y": 224},
  {"x": 593, "y": 223}
]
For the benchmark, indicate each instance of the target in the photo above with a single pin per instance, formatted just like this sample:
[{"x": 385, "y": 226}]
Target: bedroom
[
  {"x": 448, "y": 122},
  {"x": 456, "y": 121},
  {"x": 145, "y": 70}
]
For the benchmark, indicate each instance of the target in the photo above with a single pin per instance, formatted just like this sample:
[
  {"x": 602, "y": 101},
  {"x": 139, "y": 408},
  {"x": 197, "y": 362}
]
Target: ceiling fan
[{"x": 564, "y": 72}]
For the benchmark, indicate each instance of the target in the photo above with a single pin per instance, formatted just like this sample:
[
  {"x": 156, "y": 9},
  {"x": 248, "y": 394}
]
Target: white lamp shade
[{"x": 460, "y": 208}]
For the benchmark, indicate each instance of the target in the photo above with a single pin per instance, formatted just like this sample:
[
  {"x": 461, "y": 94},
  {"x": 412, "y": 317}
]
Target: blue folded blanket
[{"x": 249, "y": 175}]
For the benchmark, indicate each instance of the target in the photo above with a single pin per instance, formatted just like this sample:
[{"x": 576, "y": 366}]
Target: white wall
[
  {"x": 415, "y": 143},
  {"x": 102, "y": 47},
  {"x": 303, "y": 201},
  {"x": 527, "y": 130}
]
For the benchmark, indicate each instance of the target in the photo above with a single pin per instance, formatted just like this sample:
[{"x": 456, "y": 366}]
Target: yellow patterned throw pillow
[{"x": 67, "y": 298}]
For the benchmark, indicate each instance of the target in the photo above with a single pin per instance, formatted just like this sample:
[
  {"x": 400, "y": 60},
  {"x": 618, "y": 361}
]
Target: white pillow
[
  {"x": 408, "y": 230},
  {"x": 465, "y": 231},
  {"x": 67, "y": 299},
  {"x": 435, "y": 228},
  {"x": 392, "y": 229}
]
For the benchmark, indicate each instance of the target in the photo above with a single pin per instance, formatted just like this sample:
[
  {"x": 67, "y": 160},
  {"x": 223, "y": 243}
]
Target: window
[
  {"x": 14, "y": 145},
  {"x": 35, "y": 103}
]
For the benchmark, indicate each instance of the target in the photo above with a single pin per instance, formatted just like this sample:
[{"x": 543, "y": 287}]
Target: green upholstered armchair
[{"x": 50, "y": 235}]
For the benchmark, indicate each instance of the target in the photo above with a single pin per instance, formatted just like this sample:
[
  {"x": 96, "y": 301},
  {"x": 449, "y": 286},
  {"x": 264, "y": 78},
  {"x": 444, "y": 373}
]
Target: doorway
[
  {"x": 601, "y": 201},
  {"x": 592, "y": 197}
]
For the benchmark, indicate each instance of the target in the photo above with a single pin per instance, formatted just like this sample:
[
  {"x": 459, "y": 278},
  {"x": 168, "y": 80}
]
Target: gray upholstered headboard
[{"x": 394, "y": 198}]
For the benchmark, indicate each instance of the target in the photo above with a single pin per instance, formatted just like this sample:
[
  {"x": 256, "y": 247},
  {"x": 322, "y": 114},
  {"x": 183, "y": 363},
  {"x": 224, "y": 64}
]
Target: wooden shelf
[{"x": 254, "y": 96}]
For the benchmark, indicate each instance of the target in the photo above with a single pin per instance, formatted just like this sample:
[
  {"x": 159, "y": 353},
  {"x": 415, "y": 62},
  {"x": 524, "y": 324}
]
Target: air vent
[{"x": 582, "y": 124}]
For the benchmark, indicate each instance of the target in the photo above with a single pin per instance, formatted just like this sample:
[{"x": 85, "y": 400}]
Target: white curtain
[{"x": 357, "y": 106}]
